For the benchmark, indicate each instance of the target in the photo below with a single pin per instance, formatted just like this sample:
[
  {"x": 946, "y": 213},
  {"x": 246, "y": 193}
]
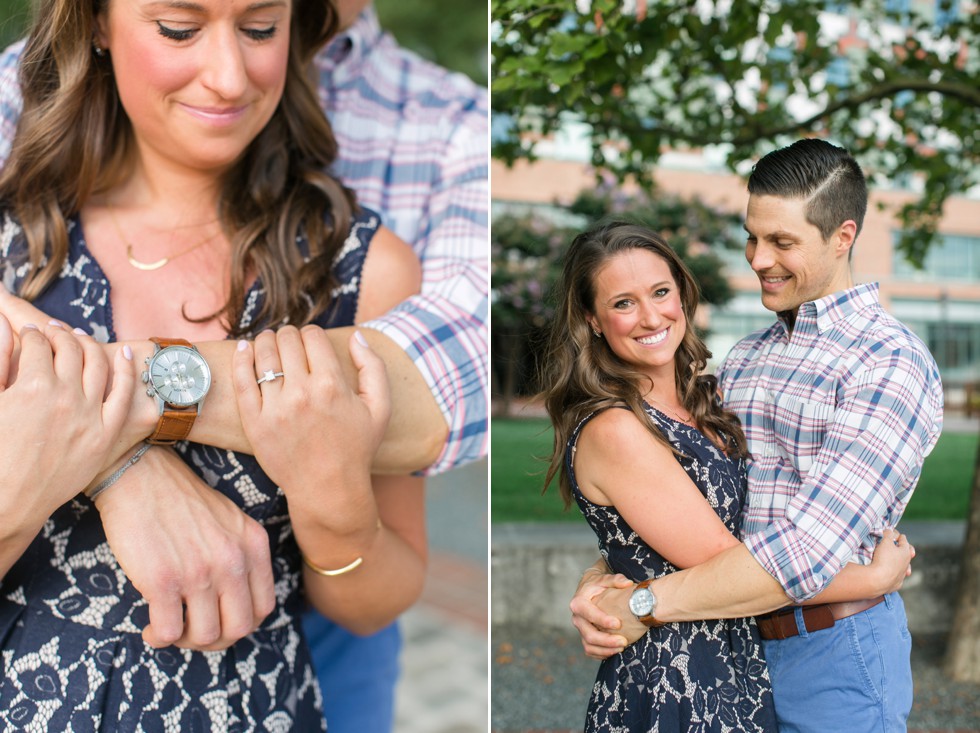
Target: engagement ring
[{"x": 269, "y": 376}]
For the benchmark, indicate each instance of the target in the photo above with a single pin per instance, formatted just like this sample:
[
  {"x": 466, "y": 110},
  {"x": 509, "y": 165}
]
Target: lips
[
  {"x": 216, "y": 115},
  {"x": 773, "y": 283},
  {"x": 655, "y": 339}
]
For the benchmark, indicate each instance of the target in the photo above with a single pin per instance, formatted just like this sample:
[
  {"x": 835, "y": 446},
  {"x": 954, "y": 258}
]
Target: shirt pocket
[{"x": 798, "y": 429}]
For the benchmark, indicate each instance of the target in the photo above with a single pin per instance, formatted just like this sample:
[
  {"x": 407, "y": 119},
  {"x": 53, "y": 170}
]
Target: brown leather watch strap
[
  {"x": 165, "y": 342},
  {"x": 174, "y": 423},
  {"x": 649, "y": 621}
]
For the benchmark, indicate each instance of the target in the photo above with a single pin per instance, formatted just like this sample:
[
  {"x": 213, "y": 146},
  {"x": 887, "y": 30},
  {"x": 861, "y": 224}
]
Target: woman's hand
[
  {"x": 58, "y": 424},
  {"x": 600, "y": 630},
  {"x": 311, "y": 433}
]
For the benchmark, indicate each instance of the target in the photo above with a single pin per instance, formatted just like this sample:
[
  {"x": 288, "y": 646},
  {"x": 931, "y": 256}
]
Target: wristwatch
[
  {"x": 179, "y": 378},
  {"x": 643, "y": 604}
]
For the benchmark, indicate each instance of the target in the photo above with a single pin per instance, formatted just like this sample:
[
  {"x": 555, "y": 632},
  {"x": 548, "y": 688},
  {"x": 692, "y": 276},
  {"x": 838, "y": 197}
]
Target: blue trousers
[
  {"x": 357, "y": 675},
  {"x": 855, "y": 676}
]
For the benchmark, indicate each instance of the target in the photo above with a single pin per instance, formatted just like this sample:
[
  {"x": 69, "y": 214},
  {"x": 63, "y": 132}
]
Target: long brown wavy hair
[
  {"x": 74, "y": 140},
  {"x": 580, "y": 374}
]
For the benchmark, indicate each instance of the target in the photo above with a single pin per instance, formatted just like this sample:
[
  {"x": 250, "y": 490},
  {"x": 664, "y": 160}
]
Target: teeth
[{"x": 651, "y": 340}]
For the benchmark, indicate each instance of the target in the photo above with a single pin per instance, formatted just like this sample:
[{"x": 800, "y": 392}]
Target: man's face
[{"x": 792, "y": 260}]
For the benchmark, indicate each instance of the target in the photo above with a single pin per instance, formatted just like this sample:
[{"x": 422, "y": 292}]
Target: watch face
[
  {"x": 179, "y": 375},
  {"x": 641, "y": 602}
]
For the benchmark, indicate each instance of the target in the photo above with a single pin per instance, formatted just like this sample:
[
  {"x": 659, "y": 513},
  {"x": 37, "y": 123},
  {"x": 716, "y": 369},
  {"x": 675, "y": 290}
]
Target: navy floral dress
[
  {"x": 72, "y": 657},
  {"x": 701, "y": 676}
]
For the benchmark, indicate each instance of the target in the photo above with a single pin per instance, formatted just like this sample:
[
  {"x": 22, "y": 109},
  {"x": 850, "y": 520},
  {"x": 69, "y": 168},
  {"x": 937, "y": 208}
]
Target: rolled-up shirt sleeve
[{"x": 444, "y": 329}]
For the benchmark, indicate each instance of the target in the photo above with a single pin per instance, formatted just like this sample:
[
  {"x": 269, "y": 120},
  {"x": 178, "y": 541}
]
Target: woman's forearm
[
  {"x": 14, "y": 542},
  {"x": 391, "y": 573},
  {"x": 416, "y": 431}
]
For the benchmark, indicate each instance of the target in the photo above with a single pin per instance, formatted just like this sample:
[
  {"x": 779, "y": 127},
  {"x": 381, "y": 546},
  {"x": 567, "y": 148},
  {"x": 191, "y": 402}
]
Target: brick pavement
[{"x": 444, "y": 681}]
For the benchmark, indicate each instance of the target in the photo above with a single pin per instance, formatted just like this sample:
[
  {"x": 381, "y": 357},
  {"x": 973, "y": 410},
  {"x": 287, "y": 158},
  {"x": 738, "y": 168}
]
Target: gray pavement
[
  {"x": 542, "y": 681},
  {"x": 444, "y": 682}
]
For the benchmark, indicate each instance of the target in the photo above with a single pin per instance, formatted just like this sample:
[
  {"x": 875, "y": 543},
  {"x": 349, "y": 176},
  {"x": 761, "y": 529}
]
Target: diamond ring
[{"x": 269, "y": 376}]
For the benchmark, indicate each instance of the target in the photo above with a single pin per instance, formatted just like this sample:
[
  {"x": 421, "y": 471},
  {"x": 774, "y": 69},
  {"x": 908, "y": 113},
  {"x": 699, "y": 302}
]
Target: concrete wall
[{"x": 535, "y": 568}]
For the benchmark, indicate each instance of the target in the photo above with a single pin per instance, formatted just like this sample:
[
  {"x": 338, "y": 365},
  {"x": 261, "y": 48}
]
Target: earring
[
  {"x": 596, "y": 332},
  {"x": 99, "y": 51}
]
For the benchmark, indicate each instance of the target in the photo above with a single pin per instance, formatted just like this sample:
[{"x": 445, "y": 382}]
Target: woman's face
[
  {"x": 199, "y": 79},
  {"x": 638, "y": 310}
]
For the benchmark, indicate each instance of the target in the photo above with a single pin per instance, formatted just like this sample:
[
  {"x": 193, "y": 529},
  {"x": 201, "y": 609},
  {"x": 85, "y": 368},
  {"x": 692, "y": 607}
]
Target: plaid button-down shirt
[
  {"x": 413, "y": 144},
  {"x": 839, "y": 417}
]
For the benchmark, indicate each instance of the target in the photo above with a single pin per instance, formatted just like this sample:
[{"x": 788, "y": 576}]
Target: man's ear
[{"x": 844, "y": 238}]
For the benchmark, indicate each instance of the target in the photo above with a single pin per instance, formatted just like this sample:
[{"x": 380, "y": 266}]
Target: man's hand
[
  {"x": 892, "y": 560},
  {"x": 595, "y": 625},
  {"x": 201, "y": 563}
]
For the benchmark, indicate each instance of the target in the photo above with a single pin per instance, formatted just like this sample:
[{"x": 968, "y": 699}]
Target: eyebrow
[
  {"x": 197, "y": 7},
  {"x": 627, "y": 294},
  {"x": 778, "y": 234}
]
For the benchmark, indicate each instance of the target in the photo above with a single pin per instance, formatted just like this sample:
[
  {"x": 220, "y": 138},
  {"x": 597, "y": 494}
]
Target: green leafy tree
[
  {"x": 751, "y": 75},
  {"x": 649, "y": 75},
  {"x": 524, "y": 252},
  {"x": 456, "y": 39}
]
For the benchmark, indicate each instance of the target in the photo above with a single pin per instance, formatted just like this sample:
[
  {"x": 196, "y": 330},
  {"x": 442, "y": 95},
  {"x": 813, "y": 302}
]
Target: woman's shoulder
[
  {"x": 616, "y": 429},
  {"x": 392, "y": 273}
]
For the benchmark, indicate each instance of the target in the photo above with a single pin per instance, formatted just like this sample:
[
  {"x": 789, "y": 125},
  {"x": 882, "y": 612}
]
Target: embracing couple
[{"x": 771, "y": 492}]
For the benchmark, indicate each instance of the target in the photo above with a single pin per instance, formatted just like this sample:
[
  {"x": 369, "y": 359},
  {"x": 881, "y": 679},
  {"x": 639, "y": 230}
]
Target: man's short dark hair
[{"x": 824, "y": 175}]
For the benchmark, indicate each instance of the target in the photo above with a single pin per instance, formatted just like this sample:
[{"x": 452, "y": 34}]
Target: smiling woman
[
  {"x": 168, "y": 177},
  {"x": 197, "y": 81}
]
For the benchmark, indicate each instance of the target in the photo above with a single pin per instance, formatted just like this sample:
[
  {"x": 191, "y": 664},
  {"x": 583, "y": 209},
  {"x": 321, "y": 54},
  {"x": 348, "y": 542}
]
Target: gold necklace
[
  {"x": 149, "y": 266},
  {"x": 676, "y": 415}
]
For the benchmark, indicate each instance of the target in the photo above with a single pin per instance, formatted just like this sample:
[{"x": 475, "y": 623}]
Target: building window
[
  {"x": 954, "y": 257},
  {"x": 951, "y": 330}
]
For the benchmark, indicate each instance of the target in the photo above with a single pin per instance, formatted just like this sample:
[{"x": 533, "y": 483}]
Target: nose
[
  {"x": 760, "y": 256},
  {"x": 223, "y": 63},
  {"x": 649, "y": 314}
]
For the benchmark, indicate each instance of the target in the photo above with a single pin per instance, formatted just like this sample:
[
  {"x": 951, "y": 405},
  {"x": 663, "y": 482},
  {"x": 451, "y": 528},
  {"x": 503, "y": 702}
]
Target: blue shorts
[
  {"x": 357, "y": 675},
  {"x": 854, "y": 676}
]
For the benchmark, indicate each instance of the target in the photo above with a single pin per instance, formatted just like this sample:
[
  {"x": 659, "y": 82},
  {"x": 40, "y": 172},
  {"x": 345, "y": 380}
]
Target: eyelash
[
  {"x": 174, "y": 34},
  {"x": 181, "y": 34}
]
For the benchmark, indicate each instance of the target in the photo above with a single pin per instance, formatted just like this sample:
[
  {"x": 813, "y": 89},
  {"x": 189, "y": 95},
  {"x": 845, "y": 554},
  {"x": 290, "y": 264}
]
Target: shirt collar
[
  {"x": 834, "y": 308},
  {"x": 345, "y": 53}
]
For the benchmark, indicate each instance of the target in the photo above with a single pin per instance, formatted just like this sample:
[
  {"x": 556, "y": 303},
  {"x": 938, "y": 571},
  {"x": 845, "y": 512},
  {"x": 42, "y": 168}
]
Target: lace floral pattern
[
  {"x": 72, "y": 658},
  {"x": 701, "y": 676}
]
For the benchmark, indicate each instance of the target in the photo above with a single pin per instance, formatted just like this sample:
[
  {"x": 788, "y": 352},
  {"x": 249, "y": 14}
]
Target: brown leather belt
[{"x": 781, "y": 624}]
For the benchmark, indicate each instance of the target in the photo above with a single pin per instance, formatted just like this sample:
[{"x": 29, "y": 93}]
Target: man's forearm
[
  {"x": 732, "y": 584},
  {"x": 416, "y": 431}
]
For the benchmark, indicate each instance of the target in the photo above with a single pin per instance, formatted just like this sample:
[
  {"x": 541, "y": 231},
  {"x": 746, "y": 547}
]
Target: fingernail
[
  {"x": 30, "y": 326},
  {"x": 128, "y": 352},
  {"x": 56, "y": 324},
  {"x": 79, "y": 331},
  {"x": 361, "y": 340},
  {"x": 242, "y": 345}
]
